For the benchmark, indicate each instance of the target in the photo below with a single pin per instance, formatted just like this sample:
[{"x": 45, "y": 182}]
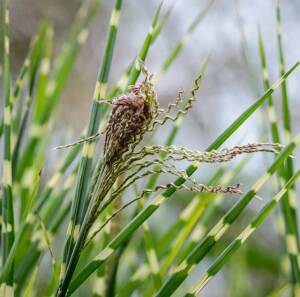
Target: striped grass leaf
[
  {"x": 53, "y": 214},
  {"x": 185, "y": 38},
  {"x": 26, "y": 228},
  {"x": 123, "y": 81},
  {"x": 136, "y": 69},
  {"x": 23, "y": 73},
  {"x": 7, "y": 230},
  {"x": 265, "y": 76},
  {"x": 30, "y": 66},
  {"x": 287, "y": 203},
  {"x": 242, "y": 237},
  {"x": 38, "y": 248},
  {"x": 22, "y": 230},
  {"x": 36, "y": 72},
  {"x": 285, "y": 107},
  {"x": 284, "y": 93},
  {"x": 57, "y": 78},
  {"x": 93, "y": 127},
  {"x": 149, "y": 210},
  {"x": 291, "y": 207}
]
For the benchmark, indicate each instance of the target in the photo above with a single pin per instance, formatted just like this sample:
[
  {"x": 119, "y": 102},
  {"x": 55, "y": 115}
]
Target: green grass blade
[
  {"x": 38, "y": 247},
  {"x": 19, "y": 84},
  {"x": 27, "y": 227},
  {"x": 22, "y": 230},
  {"x": 61, "y": 71},
  {"x": 135, "y": 71},
  {"x": 84, "y": 172},
  {"x": 28, "y": 290},
  {"x": 287, "y": 206},
  {"x": 291, "y": 194},
  {"x": 44, "y": 39},
  {"x": 7, "y": 231},
  {"x": 284, "y": 94},
  {"x": 162, "y": 22},
  {"x": 271, "y": 109},
  {"x": 179, "y": 46}
]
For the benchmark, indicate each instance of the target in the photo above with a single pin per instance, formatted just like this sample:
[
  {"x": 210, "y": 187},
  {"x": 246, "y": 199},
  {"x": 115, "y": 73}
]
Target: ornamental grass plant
[{"x": 113, "y": 178}]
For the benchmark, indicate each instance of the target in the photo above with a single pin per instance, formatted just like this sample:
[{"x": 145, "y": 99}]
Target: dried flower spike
[{"x": 130, "y": 118}]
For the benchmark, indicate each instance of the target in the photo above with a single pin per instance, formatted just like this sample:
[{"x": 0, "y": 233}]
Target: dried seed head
[{"x": 130, "y": 118}]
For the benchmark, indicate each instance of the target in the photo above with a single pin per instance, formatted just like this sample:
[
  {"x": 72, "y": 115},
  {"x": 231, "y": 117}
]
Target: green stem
[{"x": 7, "y": 231}]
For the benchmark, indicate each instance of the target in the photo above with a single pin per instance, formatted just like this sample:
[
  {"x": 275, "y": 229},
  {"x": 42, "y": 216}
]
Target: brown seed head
[{"x": 131, "y": 115}]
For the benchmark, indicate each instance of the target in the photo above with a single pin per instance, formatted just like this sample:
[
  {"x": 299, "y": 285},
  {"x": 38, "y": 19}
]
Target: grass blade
[
  {"x": 135, "y": 71},
  {"x": 179, "y": 46},
  {"x": 85, "y": 166},
  {"x": 7, "y": 231},
  {"x": 287, "y": 206}
]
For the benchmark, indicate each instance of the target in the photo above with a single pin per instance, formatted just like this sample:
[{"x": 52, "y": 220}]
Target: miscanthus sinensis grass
[
  {"x": 33, "y": 211},
  {"x": 133, "y": 115}
]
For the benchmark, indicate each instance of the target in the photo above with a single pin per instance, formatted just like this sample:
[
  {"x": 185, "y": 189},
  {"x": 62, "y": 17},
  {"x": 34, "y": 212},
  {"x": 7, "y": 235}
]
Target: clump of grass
[{"x": 32, "y": 212}]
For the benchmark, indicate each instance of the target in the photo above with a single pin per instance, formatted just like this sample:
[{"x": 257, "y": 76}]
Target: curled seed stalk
[{"x": 195, "y": 188}]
